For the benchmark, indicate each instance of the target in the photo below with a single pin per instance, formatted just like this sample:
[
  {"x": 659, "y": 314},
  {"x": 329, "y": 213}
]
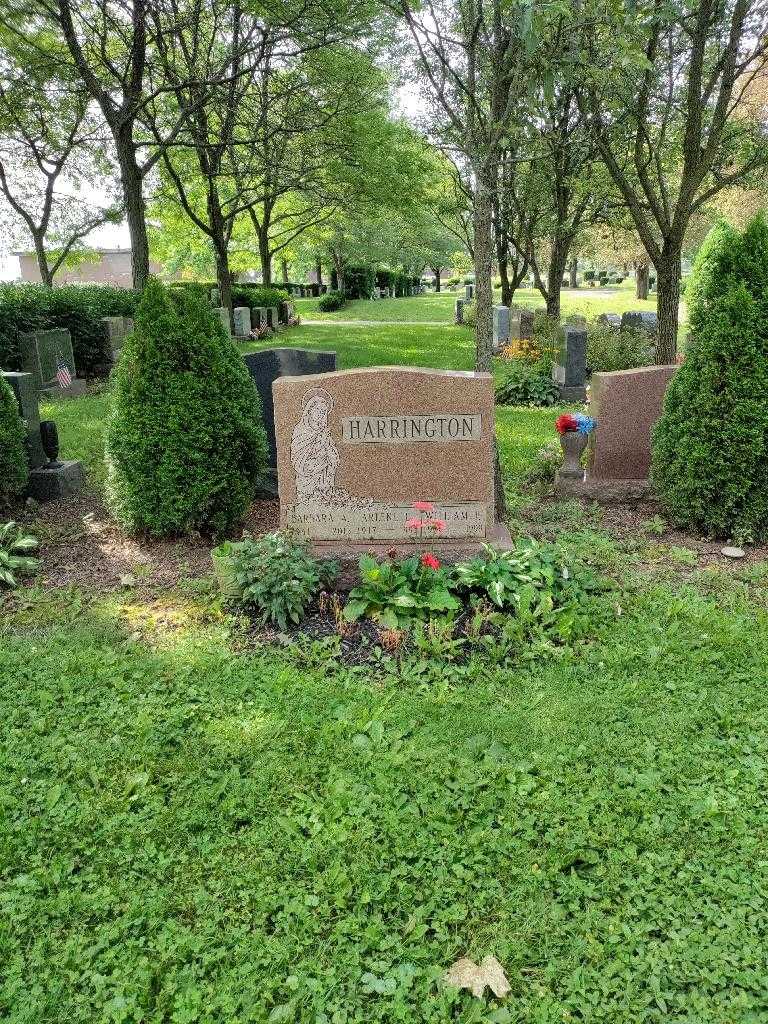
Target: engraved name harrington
[{"x": 434, "y": 427}]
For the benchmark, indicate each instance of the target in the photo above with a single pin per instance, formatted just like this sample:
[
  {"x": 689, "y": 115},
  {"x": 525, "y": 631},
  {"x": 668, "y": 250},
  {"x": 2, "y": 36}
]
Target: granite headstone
[
  {"x": 569, "y": 370},
  {"x": 357, "y": 448},
  {"x": 642, "y": 320},
  {"x": 41, "y": 354},
  {"x": 242, "y": 318},
  {"x": 266, "y": 366},
  {"x": 500, "y": 327}
]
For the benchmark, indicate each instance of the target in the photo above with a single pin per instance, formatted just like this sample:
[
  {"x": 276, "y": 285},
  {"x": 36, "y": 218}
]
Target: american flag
[{"x": 63, "y": 376}]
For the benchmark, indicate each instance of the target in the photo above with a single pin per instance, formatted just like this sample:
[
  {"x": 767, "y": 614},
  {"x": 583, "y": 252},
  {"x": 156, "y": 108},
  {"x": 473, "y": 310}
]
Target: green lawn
[
  {"x": 200, "y": 830},
  {"x": 521, "y": 432},
  {"x": 198, "y": 833},
  {"x": 439, "y": 307}
]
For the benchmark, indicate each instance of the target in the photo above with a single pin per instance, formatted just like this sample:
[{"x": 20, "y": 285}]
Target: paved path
[{"x": 375, "y": 323}]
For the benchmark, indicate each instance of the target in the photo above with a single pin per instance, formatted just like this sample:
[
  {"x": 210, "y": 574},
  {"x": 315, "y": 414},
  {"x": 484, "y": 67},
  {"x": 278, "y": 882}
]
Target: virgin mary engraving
[{"x": 315, "y": 458}]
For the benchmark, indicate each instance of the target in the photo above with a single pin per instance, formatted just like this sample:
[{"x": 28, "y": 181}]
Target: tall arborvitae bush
[
  {"x": 185, "y": 444},
  {"x": 13, "y": 452},
  {"x": 710, "y": 447}
]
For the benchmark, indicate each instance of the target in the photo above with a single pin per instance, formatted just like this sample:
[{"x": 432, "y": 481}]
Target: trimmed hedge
[
  {"x": 78, "y": 308},
  {"x": 255, "y": 295},
  {"x": 186, "y": 444},
  {"x": 710, "y": 447},
  {"x": 359, "y": 281},
  {"x": 331, "y": 301},
  {"x": 13, "y": 454}
]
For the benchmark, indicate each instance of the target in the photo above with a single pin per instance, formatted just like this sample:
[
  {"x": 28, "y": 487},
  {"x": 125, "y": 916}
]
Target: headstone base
[
  {"x": 76, "y": 389},
  {"x": 604, "y": 492},
  {"x": 575, "y": 394},
  {"x": 449, "y": 550},
  {"x": 58, "y": 482}
]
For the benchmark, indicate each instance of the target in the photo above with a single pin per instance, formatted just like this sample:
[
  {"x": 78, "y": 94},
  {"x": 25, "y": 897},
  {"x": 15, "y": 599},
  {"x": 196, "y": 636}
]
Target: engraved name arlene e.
[{"x": 407, "y": 429}]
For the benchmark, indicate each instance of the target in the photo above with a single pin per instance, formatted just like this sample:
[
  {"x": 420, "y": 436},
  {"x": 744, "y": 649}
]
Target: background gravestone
[
  {"x": 242, "y": 317},
  {"x": 40, "y": 355},
  {"x": 569, "y": 371},
  {"x": 500, "y": 326},
  {"x": 259, "y": 317},
  {"x": 459, "y": 310},
  {"x": 23, "y": 387},
  {"x": 469, "y": 292},
  {"x": 526, "y": 324},
  {"x": 612, "y": 319},
  {"x": 116, "y": 329},
  {"x": 266, "y": 367},
  {"x": 224, "y": 318},
  {"x": 626, "y": 405},
  {"x": 273, "y": 319},
  {"x": 643, "y": 320}
]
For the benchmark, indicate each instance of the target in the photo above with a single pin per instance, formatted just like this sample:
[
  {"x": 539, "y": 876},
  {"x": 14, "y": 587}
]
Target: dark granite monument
[
  {"x": 265, "y": 368},
  {"x": 23, "y": 387},
  {"x": 49, "y": 479},
  {"x": 569, "y": 370},
  {"x": 642, "y": 320},
  {"x": 41, "y": 353},
  {"x": 611, "y": 319},
  {"x": 500, "y": 327}
]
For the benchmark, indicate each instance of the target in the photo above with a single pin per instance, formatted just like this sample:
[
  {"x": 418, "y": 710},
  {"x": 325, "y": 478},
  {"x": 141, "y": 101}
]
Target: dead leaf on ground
[{"x": 465, "y": 973}]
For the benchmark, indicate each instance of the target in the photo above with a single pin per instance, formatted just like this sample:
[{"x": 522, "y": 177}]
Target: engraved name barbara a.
[{"x": 404, "y": 429}]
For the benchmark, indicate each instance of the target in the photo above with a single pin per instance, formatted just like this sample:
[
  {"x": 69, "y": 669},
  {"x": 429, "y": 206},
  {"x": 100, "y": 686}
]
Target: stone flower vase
[{"x": 573, "y": 443}]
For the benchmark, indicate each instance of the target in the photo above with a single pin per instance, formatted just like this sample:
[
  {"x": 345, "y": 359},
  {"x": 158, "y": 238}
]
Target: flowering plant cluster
[
  {"x": 525, "y": 349},
  {"x": 262, "y": 333},
  {"x": 571, "y": 422},
  {"x": 426, "y": 522}
]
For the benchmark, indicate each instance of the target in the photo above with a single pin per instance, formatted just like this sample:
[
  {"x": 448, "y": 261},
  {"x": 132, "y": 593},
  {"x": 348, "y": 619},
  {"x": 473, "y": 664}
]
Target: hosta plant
[
  {"x": 15, "y": 558},
  {"x": 532, "y": 584}
]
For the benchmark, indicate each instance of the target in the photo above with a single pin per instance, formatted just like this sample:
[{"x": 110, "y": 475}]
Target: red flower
[
  {"x": 423, "y": 506},
  {"x": 414, "y": 524},
  {"x": 436, "y": 524},
  {"x": 565, "y": 423},
  {"x": 430, "y": 562}
]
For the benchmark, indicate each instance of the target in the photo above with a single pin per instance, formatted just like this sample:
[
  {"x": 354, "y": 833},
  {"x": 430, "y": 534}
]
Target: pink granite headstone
[{"x": 626, "y": 405}]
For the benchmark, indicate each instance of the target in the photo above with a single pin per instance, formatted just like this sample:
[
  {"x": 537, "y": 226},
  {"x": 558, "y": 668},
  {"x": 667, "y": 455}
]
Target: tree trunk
[
  {"x": 224, "y": 281},
  {"x": 641, "y": 280},
  {"x": 506, "y": 286},
  {"x": 668, "y": 304},
  {"x": 557, "y": 263},
  {"x": 437, "y": 272},
  {"x": 132, "y": 184},
  {"x": 284, "y": 269},
  {"x": 265, "y": 256},
  {"x": 482, "y": 223},
  {"x": 319, "y": 272},
  {"x": 573, "y": 273},
  {"x": 42, "y": 261}
]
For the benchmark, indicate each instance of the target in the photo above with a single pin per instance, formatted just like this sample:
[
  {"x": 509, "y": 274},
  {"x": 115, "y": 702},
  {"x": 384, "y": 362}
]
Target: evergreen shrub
[
  {"x": 185, "y": 444},
  {"x": 710, "y": 447},
  {"x": 13, "y": 452}
]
